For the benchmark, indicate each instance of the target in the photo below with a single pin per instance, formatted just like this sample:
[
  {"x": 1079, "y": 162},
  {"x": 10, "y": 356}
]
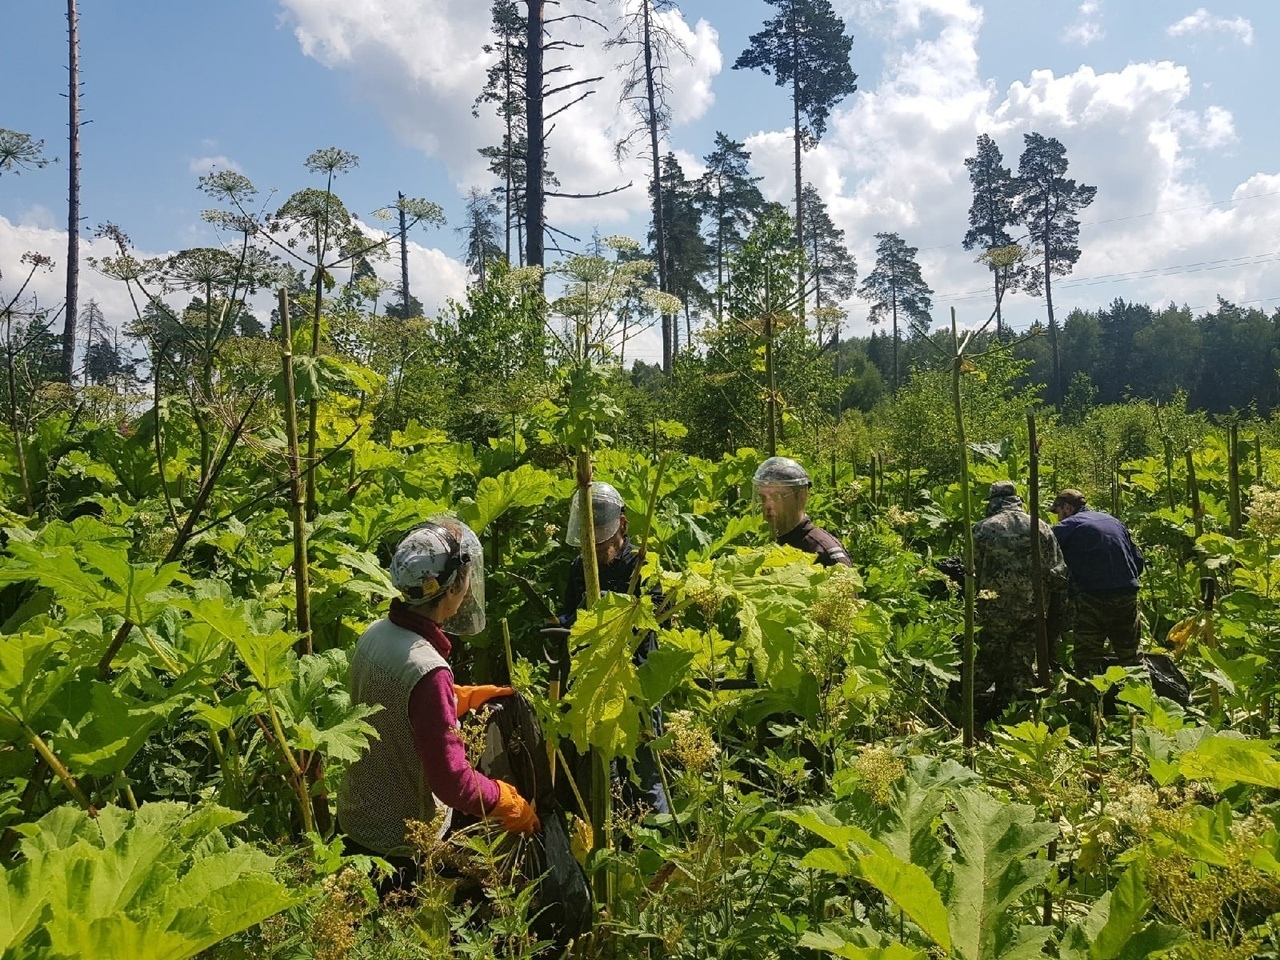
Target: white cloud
[
  {"x": 1202, "y": 21},
  {"x": 49, "y": 287},
  {"x": 207, "y": 164},
  {"x": 894, "y": 161},
  {"x": 1088, "y": 28},
  {"x": 38, "y": 215},
  {"x": 893, "y": 158},
  {"x": 420, "y": 62}
]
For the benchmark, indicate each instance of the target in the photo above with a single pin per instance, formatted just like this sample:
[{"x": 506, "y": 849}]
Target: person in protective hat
[
  {"x": 1105, "y": 565},
  {"x": 401, "y": 663},
  {"x": 782, "y": 490},
  {"x": 616, "y": 561},
  {"x": 1006, "y": 594}
]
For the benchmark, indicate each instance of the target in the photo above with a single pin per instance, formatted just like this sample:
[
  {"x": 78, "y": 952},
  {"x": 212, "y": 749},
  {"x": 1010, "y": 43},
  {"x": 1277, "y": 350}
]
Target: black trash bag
[
  {"x": 515, "y": 751},
  {"x": 1166, "y": 679}
]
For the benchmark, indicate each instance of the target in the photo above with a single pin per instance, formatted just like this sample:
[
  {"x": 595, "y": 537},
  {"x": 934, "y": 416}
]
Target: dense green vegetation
[
  {"x": 177, "y": 621},
  {"x": 193, "y": 540}
]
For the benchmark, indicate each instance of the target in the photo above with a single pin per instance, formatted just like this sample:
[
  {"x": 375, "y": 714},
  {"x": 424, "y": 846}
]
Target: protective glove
[
  {"x": 514, "y": 811},
  {"x": 471, "y": 697}
]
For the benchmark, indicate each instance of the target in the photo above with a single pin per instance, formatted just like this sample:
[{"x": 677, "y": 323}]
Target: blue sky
[{"x": 1163, "y": 105}]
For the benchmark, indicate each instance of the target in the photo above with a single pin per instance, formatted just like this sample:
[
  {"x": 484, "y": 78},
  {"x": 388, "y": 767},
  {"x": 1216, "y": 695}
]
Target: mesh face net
[{"x": 606, "y": 510}]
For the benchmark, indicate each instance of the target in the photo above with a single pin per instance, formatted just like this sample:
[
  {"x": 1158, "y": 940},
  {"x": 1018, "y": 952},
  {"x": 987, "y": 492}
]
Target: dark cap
[
  {"x": 1002, "y": 488},
  {"x": 1069, "y": 497}
]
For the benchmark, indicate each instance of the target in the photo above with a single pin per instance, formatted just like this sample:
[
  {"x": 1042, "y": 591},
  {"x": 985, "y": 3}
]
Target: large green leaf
[
  {"x": 1113, "y": 928},
  {"x": 102, "y": 728},
  {"x": 991, "y": 870},
  {"x": 31, "y": 673},
  {"x": 269, "y": 657},
  {"x": 317, "y": 711},
  {"x": 604, "y": 697},
  {"x": 1229, "y": 759},
  {"x": 525, "y": 486},
  {"x": 158, "y": 884},
  {"x": 23, "y": 908},
  {"x": 662, "y": 672},
  {"x": 865, "y": 857},
  {"x": 775, "y": 590},
  {"x": 857, "y": 944}
]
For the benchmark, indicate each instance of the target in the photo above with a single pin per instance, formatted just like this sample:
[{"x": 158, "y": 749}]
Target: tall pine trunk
[
  {"x": 534, "y": 218},
  {"x": 73, "y": 193},
  {"x": 795, "y": 118},
  {"x": 404, "y": 261},
  {"x": 1056, "y": 391},
  {"x": 659, "y": 228}
]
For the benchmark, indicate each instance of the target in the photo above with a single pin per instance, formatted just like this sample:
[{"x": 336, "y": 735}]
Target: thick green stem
[
  {"x": 1037, "y": 560},
  {"x": 1233, "y": 477},
  {"x": 301, "y": 574},
  {"x": 601, "y": 782},
  {"x": 962, "y": 448},
  {"x": 1193, "y": 495},
  {"x": 48, "y": 756},
  {"x": 299, "y": 775}
]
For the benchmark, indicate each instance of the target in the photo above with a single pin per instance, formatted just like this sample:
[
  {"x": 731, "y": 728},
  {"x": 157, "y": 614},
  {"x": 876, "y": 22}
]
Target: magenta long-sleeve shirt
[{"x": 433, "y": 718}]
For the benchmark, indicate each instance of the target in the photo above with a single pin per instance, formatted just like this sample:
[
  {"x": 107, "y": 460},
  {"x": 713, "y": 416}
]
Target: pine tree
[
  {"x": 805, "y": 48},
  {"x": 896, "y": 287},
  {"x": 481, "y": 232},
  {"x": 833, "y": 271},
  {"x": 1048, "y": 204},
  {"x": 504, "y": 88},
  {"x": 688, "y": 255},
  {"x": 990, "y": 216},
  {"x": 645, "y": 90},
  {"x": 729, "y": 198}
]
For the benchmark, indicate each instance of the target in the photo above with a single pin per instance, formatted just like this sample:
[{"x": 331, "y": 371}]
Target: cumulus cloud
[
  {"x": 1202, "y": 21},
  {"x": 1088, "y": 27},
  {"x": 421, "y": 63},
  {"x": 208, "y": 164},
  {"x": 893, "y": 158},
  {"x": 894, "y": 161}
]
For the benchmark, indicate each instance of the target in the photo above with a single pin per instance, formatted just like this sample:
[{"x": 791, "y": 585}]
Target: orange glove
[
  {"x": 515, "y": 812},
  {"x": 471, "y": 697}
]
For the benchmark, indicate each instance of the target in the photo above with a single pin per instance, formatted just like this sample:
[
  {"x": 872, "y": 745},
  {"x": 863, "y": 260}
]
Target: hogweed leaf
[
  {"x": 991, "y": 869},
  {"x": 604, "y": 699}
]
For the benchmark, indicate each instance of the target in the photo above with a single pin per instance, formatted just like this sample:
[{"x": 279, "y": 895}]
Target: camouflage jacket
[{"x": 1002, "y": 554}]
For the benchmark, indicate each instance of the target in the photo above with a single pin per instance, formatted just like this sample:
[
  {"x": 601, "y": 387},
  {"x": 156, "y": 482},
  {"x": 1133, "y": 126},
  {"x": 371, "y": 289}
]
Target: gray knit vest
[{"x": 386, "y": 786}]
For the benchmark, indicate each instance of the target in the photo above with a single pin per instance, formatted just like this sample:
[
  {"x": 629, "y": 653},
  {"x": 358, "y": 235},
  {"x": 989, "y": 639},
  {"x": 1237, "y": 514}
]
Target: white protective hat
[
  {"x": 430, "y": 559},
  {"x": 606, "y": 514},
  {"x": 780, "y": 472}
]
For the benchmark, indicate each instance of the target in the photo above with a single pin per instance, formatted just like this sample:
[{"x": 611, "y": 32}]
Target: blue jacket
[{"x": 1102, "y": 557}]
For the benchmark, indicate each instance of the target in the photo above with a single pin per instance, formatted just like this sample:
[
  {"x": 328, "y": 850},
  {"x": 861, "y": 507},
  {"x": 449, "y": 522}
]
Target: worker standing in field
[
  {"x": 1105, "y": 565},
  {"x": 616, "y": 561},
  {"x": 782, "y": 489},
  {"x": 1005, "y": 606},
  {"x": 401, "y": 664}
]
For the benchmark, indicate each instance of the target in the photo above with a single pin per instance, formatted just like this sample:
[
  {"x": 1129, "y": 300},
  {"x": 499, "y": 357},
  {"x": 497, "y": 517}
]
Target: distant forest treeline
[{"x": 1223, "y": 360}]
